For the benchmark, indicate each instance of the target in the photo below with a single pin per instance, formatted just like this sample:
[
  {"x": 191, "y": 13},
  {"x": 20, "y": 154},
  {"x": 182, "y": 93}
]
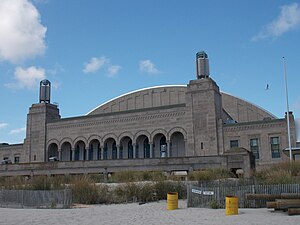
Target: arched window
[
  {"x": 77, "y": 152},
  {"x": 121, "y": 152},
  {"x": 163, "y": 147},
  {"x": 114, "y": 150},
  {"x": 105, "y": 151},
  {"x": 130, "y": 150},
  {"x": 146, "y": 148}
]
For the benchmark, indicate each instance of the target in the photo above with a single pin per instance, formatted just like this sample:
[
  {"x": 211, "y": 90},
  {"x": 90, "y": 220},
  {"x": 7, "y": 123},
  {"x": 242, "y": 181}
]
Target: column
[
  {"x": 73, "y": 154},
  {"x": 168, "y": 148},
  {"x": 59, "y": 154},
  {"x": 87, "y": 154},
  {"x": 102, "y": 152},
  {"x": 134, "y": 150},
  {"x": 118, "y": 151},
  {"x": 151, "y": 149}
]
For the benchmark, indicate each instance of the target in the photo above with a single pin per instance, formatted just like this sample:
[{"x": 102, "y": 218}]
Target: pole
[{"x": 287, "y": 109}]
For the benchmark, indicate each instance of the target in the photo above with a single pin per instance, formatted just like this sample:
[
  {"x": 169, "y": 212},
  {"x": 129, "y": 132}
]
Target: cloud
[
  {"x": 296, "y": 105},
  {"x": 3, "y": 125},
  {"x": 113, "y": 70},
  {"x": 148, "y": 67},
  {"x": 95, "y": 64},
  {"x": 288, "y": 19},
  {"x": 21, "y": 33},
  {"x": 17, "y": 131},
  {"x": 27, "y": 78}
]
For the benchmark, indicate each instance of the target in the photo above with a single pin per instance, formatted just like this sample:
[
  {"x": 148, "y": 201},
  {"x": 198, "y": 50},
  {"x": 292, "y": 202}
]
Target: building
[{"x": 192, "y": 126}]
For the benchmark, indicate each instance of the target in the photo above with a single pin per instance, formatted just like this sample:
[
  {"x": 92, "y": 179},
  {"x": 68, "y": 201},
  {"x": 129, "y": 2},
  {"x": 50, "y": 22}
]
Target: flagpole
[{"x": 287, "y": 109}]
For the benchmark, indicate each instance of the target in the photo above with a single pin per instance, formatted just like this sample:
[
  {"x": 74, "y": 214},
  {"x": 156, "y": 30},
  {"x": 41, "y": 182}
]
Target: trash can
[
  {"x": 232, "y": 204},
  {"x": 172, "y": 200}
]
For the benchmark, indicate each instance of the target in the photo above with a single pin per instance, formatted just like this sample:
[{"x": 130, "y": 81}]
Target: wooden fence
[
  {"x": 210, "y": 195},
  {"x": 36, "y": 198}
]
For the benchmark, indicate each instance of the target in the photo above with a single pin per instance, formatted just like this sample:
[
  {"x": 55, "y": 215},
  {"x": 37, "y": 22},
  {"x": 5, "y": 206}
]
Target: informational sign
[
  {"x": 200, "y": 192},
  {"x": 208, "y": 193}
]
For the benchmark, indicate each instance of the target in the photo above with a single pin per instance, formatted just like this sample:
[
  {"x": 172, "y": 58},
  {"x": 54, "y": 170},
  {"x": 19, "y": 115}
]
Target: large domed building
[{"x": 171, "y": 127}]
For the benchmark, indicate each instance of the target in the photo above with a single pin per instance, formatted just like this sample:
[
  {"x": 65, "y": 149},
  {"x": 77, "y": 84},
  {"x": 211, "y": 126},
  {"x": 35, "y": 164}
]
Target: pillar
[
  {"x": 118, "y": 151},
  {"x": 151, "y": 149},
  {"x": 134, "y": 150},
  {"x": 168, "y": 148},
  {"x": 102, "y": 152},
  {"x": 87, "y": 154},
  {"x": 73, "y": 154},
  {"x": 59, "y": 154}
]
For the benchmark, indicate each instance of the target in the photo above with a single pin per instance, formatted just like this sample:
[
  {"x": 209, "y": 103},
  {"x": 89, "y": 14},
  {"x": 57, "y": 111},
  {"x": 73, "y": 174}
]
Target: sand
[{"x": 146, "y": 214}]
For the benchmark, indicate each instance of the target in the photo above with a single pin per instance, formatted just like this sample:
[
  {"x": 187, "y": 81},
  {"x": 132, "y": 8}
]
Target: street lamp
[{"x": 287, "y": 109}]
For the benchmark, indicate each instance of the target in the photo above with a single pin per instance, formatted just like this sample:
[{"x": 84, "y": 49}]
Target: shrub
[
  {"x": 281, "y": 173},
  {"x": 209, "y": 174},
  {"x": 163, "y": 187},
  {"x": 40, "y": 183},
  {"x": 84, "y": 190},
  {"x": 146, "y": 192}
]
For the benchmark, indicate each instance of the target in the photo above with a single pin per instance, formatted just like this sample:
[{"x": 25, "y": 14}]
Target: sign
[
  {"x": 208, "y": 193},
  {"x": 199, "y": 192}
]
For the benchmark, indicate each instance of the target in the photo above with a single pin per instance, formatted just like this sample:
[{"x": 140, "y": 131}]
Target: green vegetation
[
  {"x": 142, "y": 186},
  {"x": 281, "y": 173},
  {"x": 209, "y": 175}
]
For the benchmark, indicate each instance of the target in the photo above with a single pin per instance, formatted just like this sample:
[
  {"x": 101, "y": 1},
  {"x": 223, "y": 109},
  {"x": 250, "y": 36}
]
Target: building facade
[{"x": 173, "y": 121}]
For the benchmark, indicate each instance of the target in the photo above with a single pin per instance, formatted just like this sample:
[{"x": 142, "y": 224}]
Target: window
[
  {"x": 275, "y": 147},
  {"x": 17, "y": 159},
  {"x": 234, "y": 143},
  {"x": 254, "y": 147}
]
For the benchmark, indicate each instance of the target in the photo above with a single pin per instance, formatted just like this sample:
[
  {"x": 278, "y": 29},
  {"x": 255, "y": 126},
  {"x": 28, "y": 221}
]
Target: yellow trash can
[
  {"x": 172, "y": 200},
  {"x": 232, "y": 205}
]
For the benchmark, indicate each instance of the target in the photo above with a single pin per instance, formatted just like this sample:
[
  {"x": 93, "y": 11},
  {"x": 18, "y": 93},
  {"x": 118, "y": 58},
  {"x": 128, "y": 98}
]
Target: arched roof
[{"x": 239, "y": 109}]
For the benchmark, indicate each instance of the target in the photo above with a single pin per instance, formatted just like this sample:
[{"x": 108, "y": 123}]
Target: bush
[
  {"x": 84, "y": 190},
  {"x": 146, "y": 192},
  {"x": 40, "y": 183},
  {"x": 209, "y": 174},
  {"x": 281, "y": 173},
  {"x": 162, "y": 188}
]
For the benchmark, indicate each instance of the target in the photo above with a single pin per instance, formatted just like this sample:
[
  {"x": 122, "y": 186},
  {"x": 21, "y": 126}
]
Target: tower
[
  {"x": 203, "y": 98},
  {"x": 45, "y": 89},
  {"x": 36, "y": 130},
  {"x": 202, "y": 65}
]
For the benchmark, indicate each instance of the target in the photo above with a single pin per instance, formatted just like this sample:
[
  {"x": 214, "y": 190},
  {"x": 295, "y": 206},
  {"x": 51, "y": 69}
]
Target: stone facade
[{"x": 175, "y": 121}]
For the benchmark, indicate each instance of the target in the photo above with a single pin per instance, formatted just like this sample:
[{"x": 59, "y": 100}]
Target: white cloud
[
  {"x": 21, "y": 32},
  {"x": 113, "y": 70},
  {"x": 3, "y": 125},
  {"x": 17, "y": 131},
  {"x": 27, "y": 78},
  {"x": 288, "y": 19},
  {"x": 95, "y": 64},
  {"x": 148, "y": 67}
]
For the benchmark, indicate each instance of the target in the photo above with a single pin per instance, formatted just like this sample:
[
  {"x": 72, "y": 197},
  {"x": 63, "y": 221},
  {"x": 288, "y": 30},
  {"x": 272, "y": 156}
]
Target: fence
[
  {"x": 36, "y": 199},
  {"x": 213, "y": 194}
]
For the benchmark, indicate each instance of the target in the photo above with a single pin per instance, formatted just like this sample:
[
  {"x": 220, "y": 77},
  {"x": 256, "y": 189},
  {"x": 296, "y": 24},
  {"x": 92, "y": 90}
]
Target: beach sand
[{"x": 145, "y": 214}]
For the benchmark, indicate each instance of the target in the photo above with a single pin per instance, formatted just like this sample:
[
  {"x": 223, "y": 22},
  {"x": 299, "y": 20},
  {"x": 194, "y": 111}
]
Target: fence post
[{"x": 22, "y": 198}]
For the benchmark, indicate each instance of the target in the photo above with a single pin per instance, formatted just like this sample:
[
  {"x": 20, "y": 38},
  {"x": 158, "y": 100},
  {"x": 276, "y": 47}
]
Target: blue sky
[{"x": 95, "y": 50}]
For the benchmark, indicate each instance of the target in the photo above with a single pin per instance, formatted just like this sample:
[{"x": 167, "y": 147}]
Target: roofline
[
  {"x": 266, "y": 111},
  {"x": 173, "y": 85},
  {"x": 132, "y": 92}
]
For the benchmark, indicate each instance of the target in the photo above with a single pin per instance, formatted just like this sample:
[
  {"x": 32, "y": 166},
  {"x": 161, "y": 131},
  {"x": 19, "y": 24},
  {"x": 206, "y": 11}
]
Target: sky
[{"x": 95, "y": 50}]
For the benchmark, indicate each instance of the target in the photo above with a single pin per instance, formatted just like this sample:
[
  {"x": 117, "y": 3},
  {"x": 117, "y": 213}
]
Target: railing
[{"x": 36, "y": 198}]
